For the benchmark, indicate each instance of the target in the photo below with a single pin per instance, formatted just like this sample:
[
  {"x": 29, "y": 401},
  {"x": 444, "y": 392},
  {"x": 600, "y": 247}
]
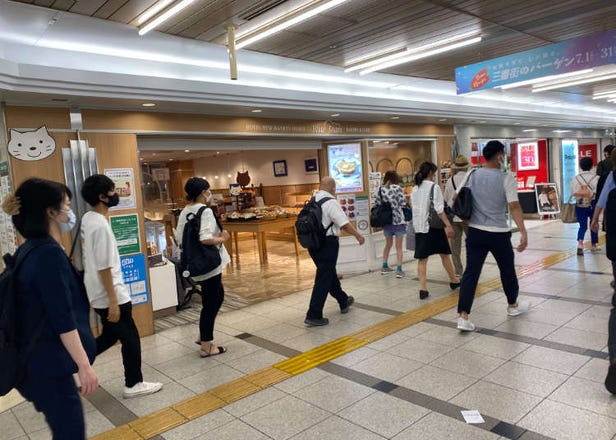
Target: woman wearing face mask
[
  {"x": 212, "y": 291},
  {"x": 53, "y": 309}
]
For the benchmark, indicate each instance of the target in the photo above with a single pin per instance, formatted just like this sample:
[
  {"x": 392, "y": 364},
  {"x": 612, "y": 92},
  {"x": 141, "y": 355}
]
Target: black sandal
[{"x": 221, "y": 350}]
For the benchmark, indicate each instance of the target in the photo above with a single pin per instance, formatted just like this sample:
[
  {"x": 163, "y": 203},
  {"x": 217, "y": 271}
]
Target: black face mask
[{"x": 113, "y": 200}]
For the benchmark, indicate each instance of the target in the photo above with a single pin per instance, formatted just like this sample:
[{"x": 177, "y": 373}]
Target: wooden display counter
[{"x": 259, "y": 227}]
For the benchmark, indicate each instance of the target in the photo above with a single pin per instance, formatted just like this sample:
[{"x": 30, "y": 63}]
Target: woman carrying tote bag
[{"x": 429, "y": 240}]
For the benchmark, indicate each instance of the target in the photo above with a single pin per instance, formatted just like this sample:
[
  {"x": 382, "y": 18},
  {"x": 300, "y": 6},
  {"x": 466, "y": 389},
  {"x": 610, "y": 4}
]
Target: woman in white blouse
[
  {"x": 212, "y": 291},
  {"x": 430, "y": 241}
]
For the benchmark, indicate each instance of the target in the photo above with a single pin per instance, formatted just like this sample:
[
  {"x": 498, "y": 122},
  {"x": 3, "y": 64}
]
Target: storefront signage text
[
  {"x": 528, "y": 156},
  {"x": 554, "y": 59},
  {"x": 317, "y": 128}
]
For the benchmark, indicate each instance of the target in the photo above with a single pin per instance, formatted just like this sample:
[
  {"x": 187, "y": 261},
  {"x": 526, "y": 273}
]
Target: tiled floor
[{"x": 536, "y": 376}]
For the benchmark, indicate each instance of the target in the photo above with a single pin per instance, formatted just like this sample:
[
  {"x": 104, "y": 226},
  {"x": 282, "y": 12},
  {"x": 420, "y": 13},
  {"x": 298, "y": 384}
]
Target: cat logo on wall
[{"x": 31, "y": 145}]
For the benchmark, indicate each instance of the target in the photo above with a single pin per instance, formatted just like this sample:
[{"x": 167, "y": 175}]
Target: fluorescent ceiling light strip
[
  {"x": 607, "y": 92},
  {"x": 544, "y": 78},
  {"x": 420, "y": 55},
  {"x": 373, "y": 59},
  {"x": 378, "y": 53},
  {"x": 574, "y": 83},
  {"x": 610, "y": 96},
  {"x": 151, "y": 12},
  {"x": 257, "y": 35},
  {"x": 425, "y": 90},
  {"x": 164, "y": 16}
]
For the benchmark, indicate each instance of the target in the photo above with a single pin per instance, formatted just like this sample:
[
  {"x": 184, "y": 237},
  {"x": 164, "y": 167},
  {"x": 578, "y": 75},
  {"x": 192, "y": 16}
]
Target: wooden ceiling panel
[
  {"x": 63, "y": 5},
  {"x": 129, "y": 12},
  {"x": 109, "y": 8},
  {"x": 87, "y": 7}
]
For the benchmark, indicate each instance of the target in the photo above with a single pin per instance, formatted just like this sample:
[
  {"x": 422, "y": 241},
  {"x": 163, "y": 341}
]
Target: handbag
[
  {"x": 381, "y": 214},
  {"x": 463, "y": 204},
  {"x": 568, "y": 214},
  {"x": 410, "y": 236},
  {"x": 408, "y": 213},
  {"x": 434, "y": 220}
]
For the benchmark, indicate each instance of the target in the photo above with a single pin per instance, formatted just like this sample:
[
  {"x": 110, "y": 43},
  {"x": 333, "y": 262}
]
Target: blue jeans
[
  {"x": 478, "y": 244},
  {"x": 584, "y": 215}
]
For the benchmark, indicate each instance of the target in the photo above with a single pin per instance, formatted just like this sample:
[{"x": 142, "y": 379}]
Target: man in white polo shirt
[{"x": 326, "y": 279}]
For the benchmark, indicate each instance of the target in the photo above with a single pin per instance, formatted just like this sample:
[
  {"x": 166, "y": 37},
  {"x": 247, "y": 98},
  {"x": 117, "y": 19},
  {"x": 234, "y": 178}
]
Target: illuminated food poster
[{"x": 345, "y": 167}]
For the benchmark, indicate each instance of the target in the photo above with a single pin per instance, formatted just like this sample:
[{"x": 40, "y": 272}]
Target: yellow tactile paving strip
[{"x": 168, "y": 418}]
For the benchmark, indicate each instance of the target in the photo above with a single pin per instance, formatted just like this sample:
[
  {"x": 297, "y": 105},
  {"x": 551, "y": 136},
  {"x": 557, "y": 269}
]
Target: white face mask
[
  {"x": 70, "y": 224},
  {"x": 208, "y": 196}
]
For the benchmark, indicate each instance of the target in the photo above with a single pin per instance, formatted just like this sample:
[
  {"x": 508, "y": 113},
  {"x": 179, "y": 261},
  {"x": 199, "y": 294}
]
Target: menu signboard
[{"x": 345, "y": 167}]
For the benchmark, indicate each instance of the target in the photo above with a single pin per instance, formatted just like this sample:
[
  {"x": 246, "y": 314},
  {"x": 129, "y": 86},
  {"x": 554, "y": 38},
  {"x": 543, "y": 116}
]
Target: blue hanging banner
[
  {"x": 135, "y": 278},
  {"x": 554, "y": 59}
]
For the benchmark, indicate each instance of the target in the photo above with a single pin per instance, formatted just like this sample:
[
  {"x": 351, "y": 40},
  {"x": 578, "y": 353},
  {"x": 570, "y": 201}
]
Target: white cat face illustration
[{"x": 31, "y": 145}]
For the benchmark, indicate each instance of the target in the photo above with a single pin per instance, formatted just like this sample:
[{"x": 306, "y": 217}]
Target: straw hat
[{"x": 461, "y": 163}]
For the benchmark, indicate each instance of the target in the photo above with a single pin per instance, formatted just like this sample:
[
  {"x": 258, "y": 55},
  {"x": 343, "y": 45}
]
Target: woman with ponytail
[{"x": 430, "y": 241}]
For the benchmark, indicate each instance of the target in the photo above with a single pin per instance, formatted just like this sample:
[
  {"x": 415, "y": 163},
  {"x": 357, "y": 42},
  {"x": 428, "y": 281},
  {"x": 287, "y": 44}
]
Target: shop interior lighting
[
  {"x": 544, "y": 79},
  {"x": 529, "y": 130},
  {"x": 157, "y": 20},
  {"x": 561, "y": 131},
  {"x": 335, "y": 115},
  {"x": 395, "y": 117},
  {"x": 285, "y": 21},
  {"x": 148, "y": 104},
  {"x": 415, "y": 53},
  {"x": 256, "y": 110}
]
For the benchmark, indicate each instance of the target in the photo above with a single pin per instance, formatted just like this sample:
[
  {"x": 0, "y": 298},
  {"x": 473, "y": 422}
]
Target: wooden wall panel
[
  {"x": 179, "y": 172},
  {"x": 120, "y": 151},
  {"x": 34, "y": 117}
]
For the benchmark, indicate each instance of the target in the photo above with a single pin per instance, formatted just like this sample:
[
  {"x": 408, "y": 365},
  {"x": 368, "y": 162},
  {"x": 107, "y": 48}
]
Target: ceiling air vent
[{"x": 261, "y": 9}]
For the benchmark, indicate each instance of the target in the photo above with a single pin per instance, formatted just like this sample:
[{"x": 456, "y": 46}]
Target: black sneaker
[
  {"x": 350, "y": 301},
  {"x": 316, "y": 322},
  {"x": 610, "y": 380}
]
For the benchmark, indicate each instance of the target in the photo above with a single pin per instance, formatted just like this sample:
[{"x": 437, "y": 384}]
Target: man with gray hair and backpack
[{"x": 325, "y": 254}]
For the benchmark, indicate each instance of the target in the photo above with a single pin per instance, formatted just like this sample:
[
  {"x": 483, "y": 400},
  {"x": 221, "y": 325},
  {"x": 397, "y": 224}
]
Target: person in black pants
[
  {"x": 494, "y": 192},
  {"x": 53, "y": 309},
  {"x": 326, "y": 280},
  {"x": 199, "y": 195},
  {"x": 108, "y": 294}
]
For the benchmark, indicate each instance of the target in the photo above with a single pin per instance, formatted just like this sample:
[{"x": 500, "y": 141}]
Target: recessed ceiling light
[
  {"x": 145, "y": 163},
  {"x": 442, "y": 119},
  {"x": 395, "y": 117},
  {"x": 141, "y": 158},
  {"x": 335, "y": 115},
  {"x": 153, "y": 154},
  {"x": 561, "y": 131},
  {"x": 170, "y": 160},
  {"x": 218, "y": 152},
  {"x": 529, "y": 130},
  {"x": 257, "y": 110},
  {"x": 148, "y": 104},
  {"x": 186, "y": 151}
]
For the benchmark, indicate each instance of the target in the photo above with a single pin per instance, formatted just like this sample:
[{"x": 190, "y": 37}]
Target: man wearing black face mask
[{"x": 108, "y": 295}]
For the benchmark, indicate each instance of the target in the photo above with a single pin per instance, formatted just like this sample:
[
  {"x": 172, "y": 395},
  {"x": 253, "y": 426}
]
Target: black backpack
[
  {"x": 610, "y": 223},
  {"x": 197, "y": 259},
  {"x": 309, "y": 224},
  {"x": 381, "y": 214},
  {"x": 12, "y": 361}
]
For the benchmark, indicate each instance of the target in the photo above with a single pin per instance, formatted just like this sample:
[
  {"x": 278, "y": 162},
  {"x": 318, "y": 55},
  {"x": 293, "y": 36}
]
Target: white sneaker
[
  {"x": 517, "y": 311},
  {"x": 595, "y": 248},
  {"x": 141, "y": 389},
  {"x": 465, "y": 325}
]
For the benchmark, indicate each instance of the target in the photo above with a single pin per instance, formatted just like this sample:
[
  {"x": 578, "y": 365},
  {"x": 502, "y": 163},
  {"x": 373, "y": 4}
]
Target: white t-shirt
[
  {"x": 332, "y": 213},
  {"x": 420, "y": 201},
  {"x": 100, "y": 251},
  {"x": 209, "y": 229}
]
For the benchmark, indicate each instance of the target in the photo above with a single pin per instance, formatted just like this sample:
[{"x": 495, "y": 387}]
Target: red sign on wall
[
  {"x": 528, "y": 156},
  {"x": 589, "y": 150}
]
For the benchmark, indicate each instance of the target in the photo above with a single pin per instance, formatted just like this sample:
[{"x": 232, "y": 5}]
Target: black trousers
[
  {"x": 611, "y": 338},
  {"x": 126, "y": 332},
  {"x": 212, "y": 296},
  {"x": 478, "y": 244},
  {"x": 325, "y": 280},
  {"x": 58, "y": 399}
]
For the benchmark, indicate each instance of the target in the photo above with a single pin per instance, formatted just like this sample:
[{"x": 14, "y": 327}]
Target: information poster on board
[
  {"x": 569, "y": 152},
  {"x": 547, "y": 198},
  {"x": 345, "y": 167},
  {"x": 8, "y": 239},
  {"x": 133, "y": 272},
  {"x": 374, "y": 182},
  {"x": 362, "y": 214},
  {"x": 347, "y": 203},
  {"x": 126, "y": 231},
  {"x": 124, "y": 179}
]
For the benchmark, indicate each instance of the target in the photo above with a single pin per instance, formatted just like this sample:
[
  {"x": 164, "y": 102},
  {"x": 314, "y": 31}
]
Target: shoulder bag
[
  {"x": 381, "y": 214},
  {"x": 434, "y": 220}
]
